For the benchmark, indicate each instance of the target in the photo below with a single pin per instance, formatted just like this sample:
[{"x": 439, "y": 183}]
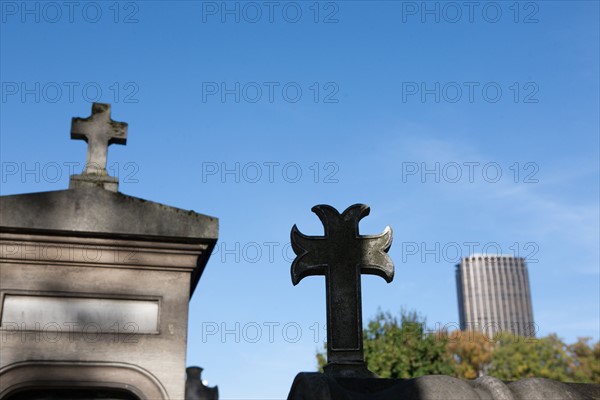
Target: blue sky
[{"x": 337, "y": 103}]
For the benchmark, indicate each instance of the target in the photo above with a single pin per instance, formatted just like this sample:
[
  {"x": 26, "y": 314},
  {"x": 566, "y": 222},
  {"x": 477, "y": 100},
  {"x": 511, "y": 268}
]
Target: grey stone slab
[
  {"x": 92, "y": 211},
  {"x": 98, "y": 212},
  {"x": 544, "y": 389},
  {"x": 309, "y": 386}
]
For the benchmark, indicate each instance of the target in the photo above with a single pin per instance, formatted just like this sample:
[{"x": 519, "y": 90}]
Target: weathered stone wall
[
  {"x": 436, "y": 387},
  {"x": 96, "y": 303}
]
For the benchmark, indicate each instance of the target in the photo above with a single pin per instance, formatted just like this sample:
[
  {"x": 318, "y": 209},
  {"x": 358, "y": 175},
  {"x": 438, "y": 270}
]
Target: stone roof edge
[{"x": 192, "y": 217}]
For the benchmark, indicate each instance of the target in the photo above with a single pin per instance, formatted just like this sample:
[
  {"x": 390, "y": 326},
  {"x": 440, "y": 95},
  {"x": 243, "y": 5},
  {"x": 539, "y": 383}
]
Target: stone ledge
[
  {"x": 96, "y": 212},
  {"x": 105, "y": 182},
  {"x": 436, "y": 387},
  {"x": 100, "y": 252},
  {"x": 89, "y": 215}
]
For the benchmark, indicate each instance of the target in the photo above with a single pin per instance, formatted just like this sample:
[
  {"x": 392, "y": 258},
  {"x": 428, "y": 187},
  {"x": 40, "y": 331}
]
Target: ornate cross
[
  {"x": 342, "y": 255},
  {"x": 99, "y": 131}
]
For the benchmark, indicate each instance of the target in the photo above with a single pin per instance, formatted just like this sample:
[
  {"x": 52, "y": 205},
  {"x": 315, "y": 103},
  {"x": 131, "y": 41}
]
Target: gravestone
[
  {"x": 342, "y": 254},
  {"x": 95, "y": 284}
]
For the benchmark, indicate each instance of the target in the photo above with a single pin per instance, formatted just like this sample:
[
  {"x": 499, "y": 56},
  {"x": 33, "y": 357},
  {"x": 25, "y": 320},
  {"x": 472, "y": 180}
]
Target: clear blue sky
[{"x": 359, "y": 103}]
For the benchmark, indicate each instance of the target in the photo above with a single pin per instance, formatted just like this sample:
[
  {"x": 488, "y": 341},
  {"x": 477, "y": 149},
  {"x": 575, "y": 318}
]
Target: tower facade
[{"x": 494, "y": 295}]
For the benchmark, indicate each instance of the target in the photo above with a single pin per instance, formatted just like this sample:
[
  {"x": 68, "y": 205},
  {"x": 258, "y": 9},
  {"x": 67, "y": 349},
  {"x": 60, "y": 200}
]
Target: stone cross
[
  {"x": 99, "y": 131},
  {"x": 342, "y": 255}
]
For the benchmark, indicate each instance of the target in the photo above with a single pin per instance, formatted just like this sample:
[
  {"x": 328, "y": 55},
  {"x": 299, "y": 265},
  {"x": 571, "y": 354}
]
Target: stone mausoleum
[{"x": 95, "y": 285}]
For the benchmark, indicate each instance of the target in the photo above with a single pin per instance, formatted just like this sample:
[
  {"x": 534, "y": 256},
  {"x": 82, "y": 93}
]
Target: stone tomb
[{"x": 95, "y": 285}]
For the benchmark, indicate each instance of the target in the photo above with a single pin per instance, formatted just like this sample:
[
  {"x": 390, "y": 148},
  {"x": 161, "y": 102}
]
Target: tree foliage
[
  {"x": 547, "y": 357},
  {"x": 517, "y": 357},
  {"x": 403, "y": 347},
  {"x": 585, "y": 364},
  {"x": 471, "y": 352}
]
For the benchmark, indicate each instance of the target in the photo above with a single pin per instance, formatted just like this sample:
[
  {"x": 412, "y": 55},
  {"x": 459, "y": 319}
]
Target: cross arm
[
  {"x": 99, "y": 121},
  {"x": 308, "y": 261},
  {"x": 78, "y": 126},
  {"x": 375, "y": 260}
]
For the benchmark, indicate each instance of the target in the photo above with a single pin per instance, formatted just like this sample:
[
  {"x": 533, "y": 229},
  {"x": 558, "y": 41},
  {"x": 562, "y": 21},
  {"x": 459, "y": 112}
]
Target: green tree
[
  {"x": 402, "y": 348},
  {"x": 321, "y": 360},
  {"x": 585, "y": 366},
  {"x": 517, "y": 357},
  {"x": 472, "y": 353}
]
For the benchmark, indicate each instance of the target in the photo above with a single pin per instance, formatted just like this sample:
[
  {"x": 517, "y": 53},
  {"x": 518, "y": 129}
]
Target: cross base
[
  {"x": 106, "y": 182},
  {"x": 348, "y": 370}
]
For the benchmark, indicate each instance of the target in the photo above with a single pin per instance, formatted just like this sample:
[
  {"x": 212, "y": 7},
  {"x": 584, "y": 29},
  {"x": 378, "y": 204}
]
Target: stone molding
[
  {"x": 27, "y": 248},
  {"x": 106, "y": 375}
]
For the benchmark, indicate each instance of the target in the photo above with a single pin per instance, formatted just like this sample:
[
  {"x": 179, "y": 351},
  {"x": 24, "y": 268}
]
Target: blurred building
[{"x": 494, "y": 295}]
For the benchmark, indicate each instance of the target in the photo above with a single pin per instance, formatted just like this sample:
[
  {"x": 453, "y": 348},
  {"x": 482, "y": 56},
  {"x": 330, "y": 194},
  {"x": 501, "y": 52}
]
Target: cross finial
[
  {"x": 99, "y": 131},
  {"x": 342, "y": 255}
]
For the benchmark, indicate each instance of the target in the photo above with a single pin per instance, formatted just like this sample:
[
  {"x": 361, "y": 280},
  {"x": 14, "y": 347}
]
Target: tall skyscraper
[{"x": 494, "y": 295}]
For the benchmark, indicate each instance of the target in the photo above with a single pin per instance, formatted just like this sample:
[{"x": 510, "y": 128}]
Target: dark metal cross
[
  {"x": 342, "y": 255},
  {"x": 99, "y": 131}
]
